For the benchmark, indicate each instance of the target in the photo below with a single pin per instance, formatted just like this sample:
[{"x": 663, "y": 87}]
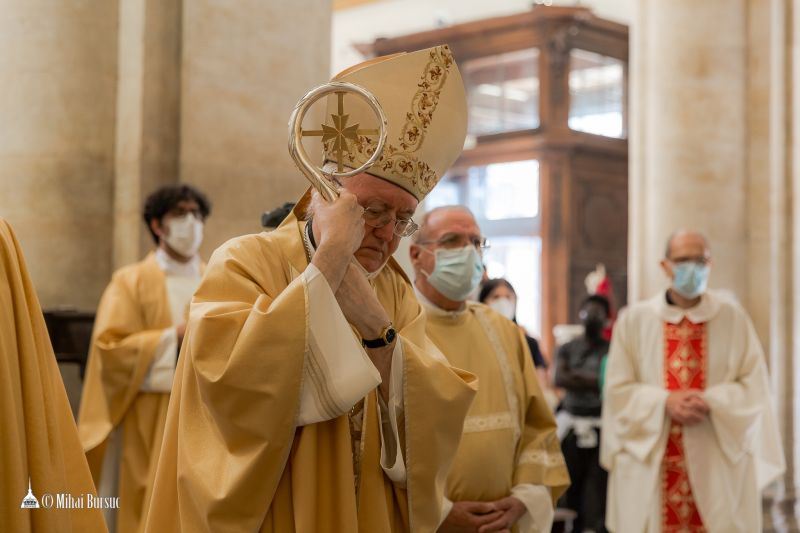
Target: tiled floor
[{"x": 780, "y": 518}]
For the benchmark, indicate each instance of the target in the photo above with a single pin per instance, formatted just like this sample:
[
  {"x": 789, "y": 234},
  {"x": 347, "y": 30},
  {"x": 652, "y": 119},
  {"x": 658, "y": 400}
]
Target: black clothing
[
  {"x": 578, "y": 371},
  {"x": 587, "y": 493},
  {"x": 538, "y": 358}
]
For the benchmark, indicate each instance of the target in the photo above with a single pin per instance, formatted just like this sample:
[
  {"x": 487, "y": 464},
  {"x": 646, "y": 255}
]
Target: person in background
[
  {"x": 578, "y": 366},
  {"x": 499, "y": 294},
  {"x": 272, "y": 219},
  {"x": 690, "y": 438},
  {"x": 508, "y": 469},
  {"x": 598, "y": 282},
  {"x": 137, "y": 334}
]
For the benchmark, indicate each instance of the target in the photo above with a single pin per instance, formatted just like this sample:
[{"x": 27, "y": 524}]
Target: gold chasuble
[
  {"x": 132, "y": 315},
  {"x": 510, "y": 433},
  {"x": 39, "y": 447},
  {"x": 234, "y": 457}
]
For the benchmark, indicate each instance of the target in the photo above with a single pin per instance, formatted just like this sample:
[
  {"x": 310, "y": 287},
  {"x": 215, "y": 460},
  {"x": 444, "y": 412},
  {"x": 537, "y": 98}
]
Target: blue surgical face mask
[
  {"x": 457, "y": 272},
  {"x": 691, "y": 278}
]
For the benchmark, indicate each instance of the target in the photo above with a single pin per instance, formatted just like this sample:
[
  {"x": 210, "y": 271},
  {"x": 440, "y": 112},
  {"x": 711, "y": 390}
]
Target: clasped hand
[
  {"x": 687, "y": 407},
  {"x": 483, "y": 517}
]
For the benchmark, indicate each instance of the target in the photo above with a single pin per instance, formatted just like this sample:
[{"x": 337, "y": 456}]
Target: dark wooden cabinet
[
  {"x": 576, "y": 66},
  {"x": 70, "y": 334}
]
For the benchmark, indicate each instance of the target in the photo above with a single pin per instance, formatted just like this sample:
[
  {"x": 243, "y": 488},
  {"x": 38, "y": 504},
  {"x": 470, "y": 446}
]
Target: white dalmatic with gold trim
[{"x": 509, "y": 445}]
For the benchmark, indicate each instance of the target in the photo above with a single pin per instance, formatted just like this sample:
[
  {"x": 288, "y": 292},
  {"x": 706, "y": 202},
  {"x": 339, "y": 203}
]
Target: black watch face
[{"x": 390, "y": 336}]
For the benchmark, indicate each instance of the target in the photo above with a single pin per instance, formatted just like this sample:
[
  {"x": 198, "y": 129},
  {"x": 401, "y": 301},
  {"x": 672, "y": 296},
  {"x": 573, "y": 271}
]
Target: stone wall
[
  {"x": 58, "y": 65},
  {"x": 103, "y": 101}
]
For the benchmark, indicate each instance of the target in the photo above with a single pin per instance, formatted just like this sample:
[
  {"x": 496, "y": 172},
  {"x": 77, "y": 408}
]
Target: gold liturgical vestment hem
[
  {"x": 233, "y": 458},
  {"x": 40, "y": 441},
  {"x": 132, "y": 315}
]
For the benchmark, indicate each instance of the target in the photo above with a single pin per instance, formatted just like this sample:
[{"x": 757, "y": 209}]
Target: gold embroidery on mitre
[
  {"x": 426, "y": 99},
  {"x": 401, "y": 161}
]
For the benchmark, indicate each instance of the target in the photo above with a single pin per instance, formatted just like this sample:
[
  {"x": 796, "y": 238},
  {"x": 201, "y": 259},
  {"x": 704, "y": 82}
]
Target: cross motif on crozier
[{"x": 340, "y": 133}]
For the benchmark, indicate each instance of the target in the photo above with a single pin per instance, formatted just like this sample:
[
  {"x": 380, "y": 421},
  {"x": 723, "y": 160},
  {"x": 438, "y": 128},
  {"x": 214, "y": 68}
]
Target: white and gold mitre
[{"x": 423, "y": 97}]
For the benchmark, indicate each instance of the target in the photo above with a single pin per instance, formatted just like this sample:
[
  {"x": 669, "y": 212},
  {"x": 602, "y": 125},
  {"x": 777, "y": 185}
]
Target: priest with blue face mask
[
  {"x": 690, "y": 438},
  {"x": 508, "y": 469}
]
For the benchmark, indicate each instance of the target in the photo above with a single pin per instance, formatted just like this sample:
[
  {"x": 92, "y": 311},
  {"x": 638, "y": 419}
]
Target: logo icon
[{"x": 29, "y": 501}]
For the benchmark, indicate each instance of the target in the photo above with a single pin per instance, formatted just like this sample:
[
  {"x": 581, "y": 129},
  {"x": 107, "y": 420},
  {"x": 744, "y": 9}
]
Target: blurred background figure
[
  {"x": 499, "y": 294},
  {"x": 273, "y": 218},
  {"x": 578, "y": 371},
  {"x": 690, "y": 437},
  {"x": 140, "y": 324},
  {"x": 598, "y": 283}
]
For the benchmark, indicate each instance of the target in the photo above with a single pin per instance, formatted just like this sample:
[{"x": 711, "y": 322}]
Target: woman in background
[{"x": 500, "y": 295}]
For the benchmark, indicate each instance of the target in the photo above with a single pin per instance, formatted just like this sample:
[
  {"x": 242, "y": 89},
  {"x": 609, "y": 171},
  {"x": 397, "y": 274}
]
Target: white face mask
[
  {"x": 690, "y": 279},
  {"x": 505, "y": 306},
  {"x": 184, "y": 234},
  {"x": 456, "y": 273}
]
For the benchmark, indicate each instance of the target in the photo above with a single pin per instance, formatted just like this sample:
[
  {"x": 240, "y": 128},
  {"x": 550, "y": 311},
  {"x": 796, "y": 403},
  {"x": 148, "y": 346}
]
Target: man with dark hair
[
  {"x": 173, "y": 201},
  {"x": 578, "y": 366},
  {"x": 138, "y": 331}
]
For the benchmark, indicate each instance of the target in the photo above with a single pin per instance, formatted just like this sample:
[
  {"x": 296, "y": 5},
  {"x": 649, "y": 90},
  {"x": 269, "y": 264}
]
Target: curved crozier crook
[{"x": 338, "y": 133}]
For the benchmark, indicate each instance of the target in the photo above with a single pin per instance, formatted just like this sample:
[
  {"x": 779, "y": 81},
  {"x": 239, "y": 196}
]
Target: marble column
[
  {"x": 714, "y": 147},
  {"x": 781, "y": 178},
  {"x": 58, "y": 66},
  {"x": 688, "y": 136},
  {"x": 244, "y": 66},
  {"x": 148, "y": 117}
]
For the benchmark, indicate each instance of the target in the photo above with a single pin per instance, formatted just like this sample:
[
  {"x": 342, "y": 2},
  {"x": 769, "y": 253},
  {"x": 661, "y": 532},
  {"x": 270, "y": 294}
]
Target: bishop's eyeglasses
[{"x": 378, "y": 218}]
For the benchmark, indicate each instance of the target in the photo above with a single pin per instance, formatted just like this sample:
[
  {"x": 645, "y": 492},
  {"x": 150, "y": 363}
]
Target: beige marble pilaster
[
  {"x": 58, "y": 66},
  {"x": 245, "y": 64},
  {"x": 688, "y": 137},
  {"x": 148, "y": 116}
]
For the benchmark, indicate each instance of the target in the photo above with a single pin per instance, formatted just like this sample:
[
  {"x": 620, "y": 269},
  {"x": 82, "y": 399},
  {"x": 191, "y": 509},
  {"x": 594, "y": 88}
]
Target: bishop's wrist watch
[{"x": 387, "y": 337}]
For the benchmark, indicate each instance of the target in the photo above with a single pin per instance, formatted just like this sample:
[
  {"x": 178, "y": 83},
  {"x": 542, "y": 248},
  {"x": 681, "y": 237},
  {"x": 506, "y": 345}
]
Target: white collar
[
  {"x": 171, "y": 267},
  {"x": 435, "y": 310},
  {"x": 704, "y": 311}
]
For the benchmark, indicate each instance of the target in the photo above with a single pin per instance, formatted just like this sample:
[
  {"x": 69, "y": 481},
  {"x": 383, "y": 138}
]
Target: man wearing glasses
[
  {"x": 689, "y": 435},
  {"x": 508, "y": 470},
  {"x": 138, "y": 331},
  {"x": 307, "y": 397}
]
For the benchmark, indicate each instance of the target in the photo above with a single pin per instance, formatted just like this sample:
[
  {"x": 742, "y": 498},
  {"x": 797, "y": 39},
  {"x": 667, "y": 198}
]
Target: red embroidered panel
[{"x": 684, "y": 368}]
